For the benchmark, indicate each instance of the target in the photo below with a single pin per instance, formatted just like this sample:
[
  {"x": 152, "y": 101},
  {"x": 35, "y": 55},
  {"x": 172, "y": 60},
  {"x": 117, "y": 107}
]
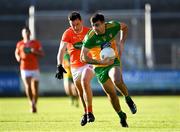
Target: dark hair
[
  {"x": 74, "y": 15},
  {"x": 97, "y": 17},
  {"x": 26, "y": 28}
]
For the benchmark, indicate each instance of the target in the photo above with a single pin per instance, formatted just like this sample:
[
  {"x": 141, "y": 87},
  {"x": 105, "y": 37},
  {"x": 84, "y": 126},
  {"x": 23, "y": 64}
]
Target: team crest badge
[{"x": 110, "y": 35}]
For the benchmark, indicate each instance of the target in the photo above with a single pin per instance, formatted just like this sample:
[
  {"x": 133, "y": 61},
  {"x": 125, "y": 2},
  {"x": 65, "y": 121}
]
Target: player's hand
[
  {"x": 107, "y": 61},
  {"x": 27, "y": 50},
  {"x": 59, "y": 72}
]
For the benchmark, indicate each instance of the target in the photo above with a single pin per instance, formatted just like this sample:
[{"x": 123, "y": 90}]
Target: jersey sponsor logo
[{"x": 78, "y": 45}]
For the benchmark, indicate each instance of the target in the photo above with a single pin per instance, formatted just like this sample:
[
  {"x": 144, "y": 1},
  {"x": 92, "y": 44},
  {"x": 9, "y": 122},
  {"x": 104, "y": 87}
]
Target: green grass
[{"x": 155, "y": 114}]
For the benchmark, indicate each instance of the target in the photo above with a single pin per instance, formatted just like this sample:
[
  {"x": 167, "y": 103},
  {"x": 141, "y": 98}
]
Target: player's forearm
[
  {"x": 89, "y": 60},
  {"x": 124, "y": 34},
  {"x": 59, "y": 59},
  {"x": 60, "y": 55},
  {"x": 39, "y": 53},
  {"x": 17, "y": 56}
]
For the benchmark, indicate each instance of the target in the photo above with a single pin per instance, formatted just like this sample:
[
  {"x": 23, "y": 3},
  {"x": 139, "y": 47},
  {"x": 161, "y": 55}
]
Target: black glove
[
  {"x": 59, "y": 72},
  {"x": 27, "y": 50}
]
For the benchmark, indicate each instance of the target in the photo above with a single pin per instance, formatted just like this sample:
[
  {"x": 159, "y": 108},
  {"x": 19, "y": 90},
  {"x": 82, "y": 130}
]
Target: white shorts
[
  {"x": 76, "y": 72},
  {"x": 30, "y": 73}
]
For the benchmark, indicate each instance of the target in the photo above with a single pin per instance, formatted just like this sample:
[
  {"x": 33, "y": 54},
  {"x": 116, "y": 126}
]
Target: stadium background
[{"x": 51, "y": 21}]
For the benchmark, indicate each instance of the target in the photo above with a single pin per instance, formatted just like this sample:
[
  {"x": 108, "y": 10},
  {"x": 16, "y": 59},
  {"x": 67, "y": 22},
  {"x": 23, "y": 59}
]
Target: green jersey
[{"x": 97, "y": 42}]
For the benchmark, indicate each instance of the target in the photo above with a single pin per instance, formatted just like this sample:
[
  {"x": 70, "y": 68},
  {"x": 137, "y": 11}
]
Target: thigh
[
  {"x": 32, "y": 74},
  {"x": 115, "y": 74},
  {"x": 76, "y": 73},
  {"x": 87, "y": 74},
  {"x": 34, "y": 83},
  {"x": 35, "y": 75},
  {"x": 108, "y": 87},
  {"x": 27, "y": 81}
]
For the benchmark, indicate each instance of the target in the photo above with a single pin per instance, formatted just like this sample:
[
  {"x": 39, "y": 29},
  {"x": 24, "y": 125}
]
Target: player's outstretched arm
[
  {"x": 123, "y": 36},
  {"x": 60, "y": 70},
  {"x": 39, "y": 52}
]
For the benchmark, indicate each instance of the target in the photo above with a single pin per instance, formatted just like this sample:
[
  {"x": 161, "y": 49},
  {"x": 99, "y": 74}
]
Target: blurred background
[{"x": 151, "y": 60}]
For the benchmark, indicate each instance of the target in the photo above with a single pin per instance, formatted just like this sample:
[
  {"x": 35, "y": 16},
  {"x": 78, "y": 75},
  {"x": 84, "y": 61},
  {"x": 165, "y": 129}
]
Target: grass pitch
[{"x": 155, "y": 114}]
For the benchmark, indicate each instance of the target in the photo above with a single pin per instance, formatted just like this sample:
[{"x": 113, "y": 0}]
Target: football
[{"x": 107, "y": 53}]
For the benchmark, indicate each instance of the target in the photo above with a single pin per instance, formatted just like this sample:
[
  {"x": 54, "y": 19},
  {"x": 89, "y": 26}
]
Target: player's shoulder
[
  {"x": 19, "y": 43},
  {"x": 112, "y": 24},
  {"x": 86, "y": 28},
  {"x": 90, "y": 34},
  {"x": 68, "y": 30},
  {"x": 35, "y": 41}
]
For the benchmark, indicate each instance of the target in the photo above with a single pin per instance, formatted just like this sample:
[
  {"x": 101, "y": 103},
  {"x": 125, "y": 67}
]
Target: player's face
[
  {"x": 25, "y": 34},
  {"x": 76, "y": 25},
  {"x": 98, "y": 27}
]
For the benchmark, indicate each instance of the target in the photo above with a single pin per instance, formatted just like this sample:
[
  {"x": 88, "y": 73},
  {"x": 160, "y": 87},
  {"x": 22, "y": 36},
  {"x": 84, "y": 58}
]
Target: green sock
[
  {"x": 128, "y": 98},
  {"x": 121, "y": 114}
]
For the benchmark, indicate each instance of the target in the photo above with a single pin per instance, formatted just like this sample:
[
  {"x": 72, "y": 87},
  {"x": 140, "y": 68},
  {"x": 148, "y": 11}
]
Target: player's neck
[
  {"x": 79, "y": 31},
  {"x": 25, "y": 40}
]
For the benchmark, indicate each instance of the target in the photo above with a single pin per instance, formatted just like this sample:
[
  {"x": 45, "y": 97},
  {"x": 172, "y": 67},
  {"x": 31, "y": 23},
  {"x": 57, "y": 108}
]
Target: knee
[
  {"x": 28, "y": 87},
  {"x": 85, "y": 82},
  {"x": 118, "y": 82}
]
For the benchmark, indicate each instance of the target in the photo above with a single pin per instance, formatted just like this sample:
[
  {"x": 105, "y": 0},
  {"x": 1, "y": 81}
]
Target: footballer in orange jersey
[
  {"x": 27, "y": 53},
  {"x": 82, "y": 73}
]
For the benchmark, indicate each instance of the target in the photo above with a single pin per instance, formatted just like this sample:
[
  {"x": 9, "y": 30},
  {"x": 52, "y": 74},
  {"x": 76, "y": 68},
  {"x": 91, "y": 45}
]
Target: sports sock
[
  {"x": 121, "y": 114},
  {"x": 89, "y": 109},
  {"x": 85, "y": 110},
  {"x": 128, "y": 98}
]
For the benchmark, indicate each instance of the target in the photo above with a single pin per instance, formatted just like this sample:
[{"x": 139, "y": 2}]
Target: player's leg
[
  {"x": 35, "y": 88},
  {"x": 71, "y": 90},
  {"x": 86, "y": 78},
  {"x": 115, "y": 74},
  {"x": 116, "y": 77},
  {"x": 69, "y": 86},
  {"x": 27, "y": 85},
  {"x": 74, "y": 94},
  {"x": 108, "y": 87},
  {"x": 78, "y": 85},
  {"x": 26, "y": 78}
]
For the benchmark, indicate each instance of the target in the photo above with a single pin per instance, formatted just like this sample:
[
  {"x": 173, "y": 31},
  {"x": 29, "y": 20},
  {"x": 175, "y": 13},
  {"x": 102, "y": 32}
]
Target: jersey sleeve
[
  {"x": 66, "y": 37},
  {"x": 88, "y": 40},
  {"x": 115, "y": 25},
  {"x": 18, "y": 46}
]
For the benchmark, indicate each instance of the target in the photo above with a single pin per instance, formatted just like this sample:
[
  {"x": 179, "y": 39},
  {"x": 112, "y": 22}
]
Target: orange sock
[
  {"x": 89, "y": 109},
  {"x": 85, "y": 110}
]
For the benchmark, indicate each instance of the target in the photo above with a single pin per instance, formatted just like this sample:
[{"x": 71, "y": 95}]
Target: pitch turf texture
[{"x": 155, "y": 114}]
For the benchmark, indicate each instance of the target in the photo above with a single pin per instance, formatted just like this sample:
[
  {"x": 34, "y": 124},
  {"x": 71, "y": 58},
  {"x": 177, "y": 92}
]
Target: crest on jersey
[{"x": 110, "y": 35}]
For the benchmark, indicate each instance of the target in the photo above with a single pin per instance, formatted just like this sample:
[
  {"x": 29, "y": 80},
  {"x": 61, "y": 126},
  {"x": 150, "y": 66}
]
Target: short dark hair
[
  {"x": 97, "y": 17},
  {"x": 74, "y": 15},
  {"x": 26, "y": 28}
]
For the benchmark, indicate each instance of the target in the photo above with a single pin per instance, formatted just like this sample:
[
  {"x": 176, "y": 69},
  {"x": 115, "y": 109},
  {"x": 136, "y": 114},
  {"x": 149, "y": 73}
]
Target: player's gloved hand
[
  {"x": 27, "y": 50},
  {"x": 60, "y": 71}
]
